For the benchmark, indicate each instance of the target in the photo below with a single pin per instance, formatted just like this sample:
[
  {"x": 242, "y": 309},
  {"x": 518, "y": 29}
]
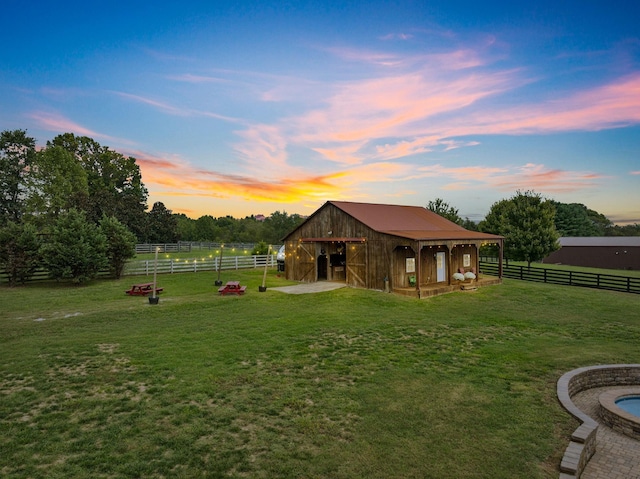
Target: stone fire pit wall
[{"x": 582, "y": 445}]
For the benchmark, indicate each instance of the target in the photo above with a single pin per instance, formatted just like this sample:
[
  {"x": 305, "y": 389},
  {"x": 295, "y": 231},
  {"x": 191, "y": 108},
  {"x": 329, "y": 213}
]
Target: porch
[{"x": 429, "y": 290}]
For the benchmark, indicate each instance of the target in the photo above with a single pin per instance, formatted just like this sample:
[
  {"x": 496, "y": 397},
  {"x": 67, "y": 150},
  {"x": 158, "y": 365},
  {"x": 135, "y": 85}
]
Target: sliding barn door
[
  {"x": 306, "y": 264},
  {"x": 357, "y": 265}
]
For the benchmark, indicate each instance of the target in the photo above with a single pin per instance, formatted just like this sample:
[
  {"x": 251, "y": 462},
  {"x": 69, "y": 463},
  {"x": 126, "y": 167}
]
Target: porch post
[
  {"x": 450, "y": 245},
  {"x": 419, "y": 269}
]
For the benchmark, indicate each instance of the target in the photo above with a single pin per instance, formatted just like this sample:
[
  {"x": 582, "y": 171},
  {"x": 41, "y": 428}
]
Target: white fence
[
  {"x": 194, "y": 265},
  {"x": 189, "y": 246}
]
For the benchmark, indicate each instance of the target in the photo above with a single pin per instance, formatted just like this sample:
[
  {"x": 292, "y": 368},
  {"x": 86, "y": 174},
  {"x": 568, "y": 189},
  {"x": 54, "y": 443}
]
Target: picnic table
[
  {"x": 142, "y": 289},
  {"x": 232, "y": 287}
]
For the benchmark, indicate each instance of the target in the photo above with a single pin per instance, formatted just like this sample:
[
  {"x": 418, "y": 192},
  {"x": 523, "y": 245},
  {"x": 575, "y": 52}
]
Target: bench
[
  {"x": 469, "y": 275},
  {"x": 232, "y": 287},
  {"x": 142, "y": 289}
]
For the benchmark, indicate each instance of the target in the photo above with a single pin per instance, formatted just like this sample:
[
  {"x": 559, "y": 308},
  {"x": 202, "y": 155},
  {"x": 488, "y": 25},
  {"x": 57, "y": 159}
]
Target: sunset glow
[{"x": 275, "y": 107}]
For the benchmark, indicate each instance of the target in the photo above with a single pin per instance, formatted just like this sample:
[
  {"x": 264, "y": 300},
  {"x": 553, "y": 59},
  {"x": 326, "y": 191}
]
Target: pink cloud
[
  {"x": 393, "y": 107},
  {"x": 614, "y": 105},
  {"x": 175, "y": 111},
  {"x": 60, "y": 124},
  {"x": 526, "y": 177},
  {"x": 263, "y": 148}
]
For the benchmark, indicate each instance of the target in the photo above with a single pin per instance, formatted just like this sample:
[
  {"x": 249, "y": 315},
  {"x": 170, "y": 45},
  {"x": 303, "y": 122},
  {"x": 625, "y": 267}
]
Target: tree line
[
  {"x": 75, "y": 207},
  {"x": 532, "y": 224}
]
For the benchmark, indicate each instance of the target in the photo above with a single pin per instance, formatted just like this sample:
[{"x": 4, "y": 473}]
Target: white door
[{"x": 441, "y": 266}]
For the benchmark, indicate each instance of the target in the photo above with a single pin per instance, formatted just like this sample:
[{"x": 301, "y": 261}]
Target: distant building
[
  {"x": 612, "y": 252},
  {"x": 260, "y": 217}
]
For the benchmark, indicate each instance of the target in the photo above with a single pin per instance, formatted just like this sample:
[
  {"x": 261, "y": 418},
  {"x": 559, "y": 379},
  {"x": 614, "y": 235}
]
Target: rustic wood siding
[
  {"x": 370, "y": 257},
  {"x": 368, "y": 263}
]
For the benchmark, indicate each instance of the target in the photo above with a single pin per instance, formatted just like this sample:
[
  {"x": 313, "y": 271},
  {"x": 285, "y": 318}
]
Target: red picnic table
[
  {"x": 232, "y": 287},
  {"x": 142, "y": 289}
]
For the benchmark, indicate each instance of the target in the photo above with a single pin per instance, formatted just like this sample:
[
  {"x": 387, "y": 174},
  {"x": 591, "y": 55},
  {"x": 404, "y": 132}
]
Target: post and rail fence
[
  {"x": 190, "y": 246},
  {"x": 192, "y": 265},
  {"x": 140, "y": 267},
  {"x": 625, "y": 284}
]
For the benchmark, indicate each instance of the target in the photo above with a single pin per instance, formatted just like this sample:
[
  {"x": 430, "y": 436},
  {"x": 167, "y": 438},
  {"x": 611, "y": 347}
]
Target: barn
[
  {"x": 405, "y": 249},
  {"x": 612, "y": 252}
]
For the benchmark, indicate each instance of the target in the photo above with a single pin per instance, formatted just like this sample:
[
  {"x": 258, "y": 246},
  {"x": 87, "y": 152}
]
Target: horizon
[{"x": 241, "y": 109}]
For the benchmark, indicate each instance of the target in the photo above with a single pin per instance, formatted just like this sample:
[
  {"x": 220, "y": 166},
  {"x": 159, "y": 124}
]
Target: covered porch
[{"x": 426, "y": 268}]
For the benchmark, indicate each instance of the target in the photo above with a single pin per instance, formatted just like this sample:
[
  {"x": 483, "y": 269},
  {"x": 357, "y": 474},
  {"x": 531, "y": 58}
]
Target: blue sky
[{"x": 240, "y": 107}]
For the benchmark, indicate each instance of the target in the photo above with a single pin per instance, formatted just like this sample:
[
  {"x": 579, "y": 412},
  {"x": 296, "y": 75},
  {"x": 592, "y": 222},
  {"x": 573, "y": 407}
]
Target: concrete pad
[{"x": 304, "y": 288}]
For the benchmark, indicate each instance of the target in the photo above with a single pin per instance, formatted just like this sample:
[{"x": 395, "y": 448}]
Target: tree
[
  {"x": 76, "y": 248},
  {"x": 442, "y": 208},
  {"x": 186, "y": 227},
  {"x": 527, "y": 223},
  {"x": 573, "y": 219},
  {"x": 19, "y": 251},
  {"x": 162, "y": 226},
  {"x": 206, "y": 228},
  {"x": 57, "y": 183},
  {"x": 469, "y": 224},
  {"x": 121, "y": 244},
  {"x": 114, "y": 182},
  {"x": 17, "y": 151},
  {"x": 625, "y": 230},
  {"x": 603, "y": 225},
  {"x": 278, "y": 225},
  {"x": 260, "y": 248}
]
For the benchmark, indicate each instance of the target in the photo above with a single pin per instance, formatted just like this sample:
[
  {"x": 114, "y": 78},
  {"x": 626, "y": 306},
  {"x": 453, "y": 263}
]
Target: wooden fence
[
  {"x": 189, "y": 246},
  {"x": 194, "y": 265},
  {"x": 609, "y": 282},
  {"x": 140, "y": 267}
]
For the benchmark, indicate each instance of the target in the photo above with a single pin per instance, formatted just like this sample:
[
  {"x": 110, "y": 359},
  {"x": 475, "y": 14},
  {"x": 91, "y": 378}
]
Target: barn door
[
  {"x": 357, "y": 265},
  {"x": 306, "y": 262}
]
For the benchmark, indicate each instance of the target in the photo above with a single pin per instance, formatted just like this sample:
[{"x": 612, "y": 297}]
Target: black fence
[{"x": 609, "y": 282}]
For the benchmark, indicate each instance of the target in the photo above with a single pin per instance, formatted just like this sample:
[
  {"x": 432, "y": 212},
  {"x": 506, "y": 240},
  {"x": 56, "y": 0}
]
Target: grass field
[{"x": 343, "y": 384}]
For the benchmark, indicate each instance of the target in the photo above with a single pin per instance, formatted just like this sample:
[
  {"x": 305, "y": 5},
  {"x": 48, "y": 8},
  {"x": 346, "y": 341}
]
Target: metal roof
[
  {"x": 413, "y": 222},
  {"x": 613, "y": 241}
]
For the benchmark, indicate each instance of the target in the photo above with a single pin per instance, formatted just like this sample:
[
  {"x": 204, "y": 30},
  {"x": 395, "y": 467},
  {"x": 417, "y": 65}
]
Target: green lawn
[{"x": 344, "y": 384}]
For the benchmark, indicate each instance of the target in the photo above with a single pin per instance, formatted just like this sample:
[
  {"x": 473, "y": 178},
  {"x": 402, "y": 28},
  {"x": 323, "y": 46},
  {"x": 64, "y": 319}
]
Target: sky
[{"x": 250, "y": 107}]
